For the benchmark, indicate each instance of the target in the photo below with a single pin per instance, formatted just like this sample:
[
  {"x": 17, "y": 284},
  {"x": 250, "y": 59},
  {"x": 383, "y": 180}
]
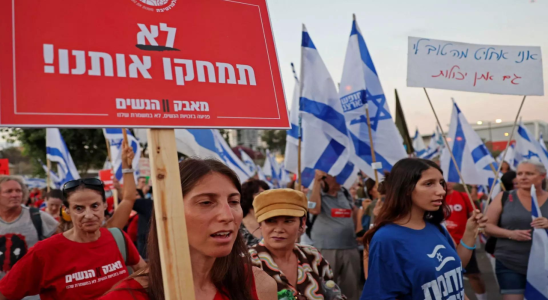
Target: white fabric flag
[
  {"x": 58, "y": 152},
  {"x": 292, "y": 138}
]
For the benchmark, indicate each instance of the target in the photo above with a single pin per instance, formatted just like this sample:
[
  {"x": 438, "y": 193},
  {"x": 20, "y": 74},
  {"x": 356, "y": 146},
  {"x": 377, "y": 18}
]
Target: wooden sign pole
[
  {"x": 449, "y": 149},
  {"x": 504, "y": 153},
  {"x": 114, "y": 191},
  {"x": 170, "y": 215}
]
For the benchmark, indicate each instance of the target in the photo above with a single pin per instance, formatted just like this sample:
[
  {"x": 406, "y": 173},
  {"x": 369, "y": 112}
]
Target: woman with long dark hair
[
  {"x": 411, "y": 255},
  {"x": 221, "y": 266}
]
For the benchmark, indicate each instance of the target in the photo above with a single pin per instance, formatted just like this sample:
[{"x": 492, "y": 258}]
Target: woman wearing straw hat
[{"x": 298, "y": 270}]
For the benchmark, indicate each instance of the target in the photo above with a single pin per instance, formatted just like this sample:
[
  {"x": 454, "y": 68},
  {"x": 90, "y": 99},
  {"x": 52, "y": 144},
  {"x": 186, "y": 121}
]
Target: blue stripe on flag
[
  {"x": 324, "y": 163},
  {"x": 325, "y": 113},
  {"x": 345, "y": 173},
  {"x": 458, "y": 151},
  {"x": 294, "y": 131},
  {"x": 532, "y": 293},
  {"x": 364, "y": 53},
  {"x": 307, "y": 41},
  {"x": 479, "y": 153},
  {"x": 204, "y": 138},
  {"x": 363, "y": 150},
  {"x": 523, "y": 133}
]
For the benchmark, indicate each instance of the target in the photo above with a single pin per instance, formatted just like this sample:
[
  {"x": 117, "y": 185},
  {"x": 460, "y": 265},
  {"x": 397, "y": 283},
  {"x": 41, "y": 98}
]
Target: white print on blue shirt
[
  {"x": 409, "y": 264},
  {"x": 446, "y": 284}
]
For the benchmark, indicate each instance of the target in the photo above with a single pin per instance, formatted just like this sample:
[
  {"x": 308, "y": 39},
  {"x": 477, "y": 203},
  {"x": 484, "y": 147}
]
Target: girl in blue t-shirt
[{"x": 411, "y": 255}]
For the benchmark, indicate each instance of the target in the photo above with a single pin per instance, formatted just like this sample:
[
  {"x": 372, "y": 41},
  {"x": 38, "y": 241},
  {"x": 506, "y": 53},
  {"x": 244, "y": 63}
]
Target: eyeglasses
[{"x": 92, "y": 183}]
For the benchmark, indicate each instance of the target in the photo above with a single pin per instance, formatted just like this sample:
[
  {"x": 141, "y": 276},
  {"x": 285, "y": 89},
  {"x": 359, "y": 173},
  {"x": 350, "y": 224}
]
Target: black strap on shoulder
[
  {"x": 505, "y": 196},
  {"x": 37, "y": 221}
]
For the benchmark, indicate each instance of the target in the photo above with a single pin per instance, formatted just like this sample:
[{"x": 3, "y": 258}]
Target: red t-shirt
[
  {"x": 460, "y": 209},
  {"x": 132, "y": 290},
  {"x": 58, "y": 268}
]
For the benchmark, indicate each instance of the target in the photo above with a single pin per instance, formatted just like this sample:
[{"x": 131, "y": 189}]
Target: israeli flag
[
  {"x": 418, "y": 145},
  {"x": 284, "y": 176},
  {"x": 435, "y": 146},
  {"x": 209, "y": 143},
  {"x": 543, "y": 145},
  {"x": 291, "y": 162},
  {"x": 360, "y": 84},
  {"x": 246, "y": 159},
  {"x": 272, "y": 168},
  {"x": 262, "y": 176},
  {"x": 529, "y": 148},
  {"x": 55, "y": 180},
  {"x": 57, "y": 151},
  {"x": 537, "y": 270},
  {"x": 325, "y": 136},
  {"x": 510, "y": 157},
  {"x": 472, "y": 156},
  {"x": 115, "y": 137}
]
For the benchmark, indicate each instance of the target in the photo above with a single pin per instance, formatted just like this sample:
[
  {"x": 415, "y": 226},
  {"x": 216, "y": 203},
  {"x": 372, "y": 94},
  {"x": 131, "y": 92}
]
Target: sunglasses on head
[{"x": 92, "y": 183}]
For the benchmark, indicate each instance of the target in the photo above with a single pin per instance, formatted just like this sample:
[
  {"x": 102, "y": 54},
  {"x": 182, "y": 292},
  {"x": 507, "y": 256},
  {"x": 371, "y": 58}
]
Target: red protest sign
[
  {"x": 139, "y": 63},
  {"x": 106, "y": 178},
  {"x": 4, "y": 166}
]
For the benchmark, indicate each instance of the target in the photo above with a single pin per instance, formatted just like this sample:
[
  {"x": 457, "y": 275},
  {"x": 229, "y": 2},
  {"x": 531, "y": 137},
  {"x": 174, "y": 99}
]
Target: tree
[
  {"x": 86, "y": 146},
  {"x": 274, "y": 139}
]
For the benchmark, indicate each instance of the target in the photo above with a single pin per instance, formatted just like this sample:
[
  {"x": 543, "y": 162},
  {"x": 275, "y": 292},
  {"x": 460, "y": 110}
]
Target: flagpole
[
  {"x": 48, "y": 162},
  {"x": 114, "y": 190},
  {"x": 496, "y": 175},
  {"x": 449, "y": 149},
  {"x": 299, "y": 148},
  {"x": 505, "y": 150},
  {"x": 373, "y": 158}
]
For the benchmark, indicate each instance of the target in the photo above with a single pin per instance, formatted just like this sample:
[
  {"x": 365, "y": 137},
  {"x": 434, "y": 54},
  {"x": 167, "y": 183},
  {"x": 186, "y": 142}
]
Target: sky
[{"x": 387, "y": 24}]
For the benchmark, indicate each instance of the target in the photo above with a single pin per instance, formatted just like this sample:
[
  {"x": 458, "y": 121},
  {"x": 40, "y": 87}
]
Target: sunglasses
[{"x": 92, "y": 183}]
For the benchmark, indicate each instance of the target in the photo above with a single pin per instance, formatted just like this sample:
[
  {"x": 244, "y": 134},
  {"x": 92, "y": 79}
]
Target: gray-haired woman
[{"x": 510, "y": 222}]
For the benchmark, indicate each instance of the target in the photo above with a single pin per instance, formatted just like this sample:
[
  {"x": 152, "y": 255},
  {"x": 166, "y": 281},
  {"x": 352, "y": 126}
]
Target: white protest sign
[{"x": 508, "y": 70}]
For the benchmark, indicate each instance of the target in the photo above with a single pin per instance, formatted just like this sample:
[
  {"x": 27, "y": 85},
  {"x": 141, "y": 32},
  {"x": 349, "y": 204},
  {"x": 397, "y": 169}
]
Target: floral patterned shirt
[{"x": 313, "y": 271}]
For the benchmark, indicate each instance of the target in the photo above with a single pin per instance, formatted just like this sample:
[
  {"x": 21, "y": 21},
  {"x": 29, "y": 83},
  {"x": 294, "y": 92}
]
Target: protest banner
[
  {"x": 4, "y": 166},
  {"x": 106, "y": 178},
  {"x": 144, "y": 167},
  {"x": 508, "y": 70},
  {"x": 143, "y": 64},
  {"x": 194, "y": 63}
]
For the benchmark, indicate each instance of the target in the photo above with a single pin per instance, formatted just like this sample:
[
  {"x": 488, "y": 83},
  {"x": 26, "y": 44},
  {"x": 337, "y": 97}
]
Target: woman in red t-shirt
[
  {"x": 221, "y": 266},
  {"x": 81, "y": 263}
]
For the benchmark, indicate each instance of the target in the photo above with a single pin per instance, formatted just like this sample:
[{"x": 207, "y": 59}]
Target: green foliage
[
  {"x": 86, "y": 146},
  {"x": 275, "y": 139}
]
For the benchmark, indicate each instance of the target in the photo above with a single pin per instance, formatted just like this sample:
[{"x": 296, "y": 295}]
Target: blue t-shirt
[{"x": 407, "y": 264}]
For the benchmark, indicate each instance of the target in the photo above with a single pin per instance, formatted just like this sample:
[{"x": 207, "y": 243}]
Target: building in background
[{"x": 246, "y": 137}]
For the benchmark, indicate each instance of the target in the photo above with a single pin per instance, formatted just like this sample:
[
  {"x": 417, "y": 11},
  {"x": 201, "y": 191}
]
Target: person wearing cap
[{"x": 296, "y": 268}]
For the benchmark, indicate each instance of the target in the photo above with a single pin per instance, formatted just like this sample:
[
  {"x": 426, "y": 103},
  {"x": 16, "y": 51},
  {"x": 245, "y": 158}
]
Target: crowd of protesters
[{"x": 388, "y": 240}]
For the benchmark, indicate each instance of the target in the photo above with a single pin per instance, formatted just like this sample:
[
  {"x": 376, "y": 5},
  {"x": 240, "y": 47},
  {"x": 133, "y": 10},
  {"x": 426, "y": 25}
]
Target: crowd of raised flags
[{"x": 333, "y": 128}]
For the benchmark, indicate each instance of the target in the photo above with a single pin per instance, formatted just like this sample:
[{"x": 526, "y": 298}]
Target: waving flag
[
  {"x": 325, "y": 136},
  {"x": 510, "y": 157},
  {"x": 292, "y": 138},
  {"x": 58, "y": 152},
  {"x": 418, "y": 144},
  {"x": 115, "y": 137},
  {"x": 55, "y": 180},
  {"x": 272, "y": 168},
  {"x": 537, "y": 270},
  {"x": 472, "y": 156},
  {"x": 262, "y": 176},
  {"x": 543, "y": 145},
  {"x": 529, "y": 148},
  {"x": 209, "y": 143},
  {"x": 360, "y": 84},
  {"x": 252, "y": 168},
  {"x": 435, "y": 146},
  {"x": 284, "y": 177}
]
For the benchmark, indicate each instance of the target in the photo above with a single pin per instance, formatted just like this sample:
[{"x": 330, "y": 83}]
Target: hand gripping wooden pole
[{"x": 170, "y": 215}]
